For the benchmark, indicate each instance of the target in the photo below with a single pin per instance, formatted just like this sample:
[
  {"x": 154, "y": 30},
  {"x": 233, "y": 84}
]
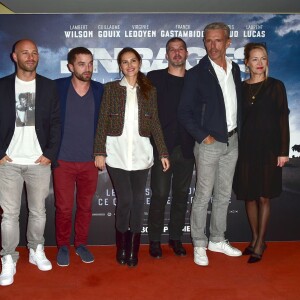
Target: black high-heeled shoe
[
  {"x": 256, "y": 257},
  {"x": 248, "y": 250}
]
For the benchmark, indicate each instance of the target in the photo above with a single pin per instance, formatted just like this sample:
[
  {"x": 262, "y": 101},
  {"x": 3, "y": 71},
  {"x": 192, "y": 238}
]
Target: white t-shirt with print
[{"x": 24, "y": 148}]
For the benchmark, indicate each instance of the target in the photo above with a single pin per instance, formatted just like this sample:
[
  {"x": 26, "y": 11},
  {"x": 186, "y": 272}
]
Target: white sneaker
[
  {"x": 39, "y": 258},
  {"x": 200, "y": 257},
  {"x": 8, "y": 270},
  {"x": 224, "y": 247}
]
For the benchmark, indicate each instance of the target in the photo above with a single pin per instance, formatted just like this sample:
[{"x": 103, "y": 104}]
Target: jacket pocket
[
  {"x": 146, "y": 123},
  {"x": 115, "y": 123},
  {"x": 147, "y": 115}
]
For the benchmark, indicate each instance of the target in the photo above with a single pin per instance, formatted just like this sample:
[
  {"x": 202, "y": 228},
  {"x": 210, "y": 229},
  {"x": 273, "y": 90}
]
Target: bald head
[
  {"x": 23, "y": 43},
  {"x": 26, "y": 56}
]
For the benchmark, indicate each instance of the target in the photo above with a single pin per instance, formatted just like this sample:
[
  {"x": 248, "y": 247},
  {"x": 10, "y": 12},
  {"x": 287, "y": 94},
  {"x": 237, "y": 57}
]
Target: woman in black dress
[{"x": 264, "y": 145}]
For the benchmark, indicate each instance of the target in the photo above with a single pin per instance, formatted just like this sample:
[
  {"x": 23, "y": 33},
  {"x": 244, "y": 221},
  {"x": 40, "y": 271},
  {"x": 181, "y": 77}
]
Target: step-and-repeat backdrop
[{"x": 106, "y": 34}]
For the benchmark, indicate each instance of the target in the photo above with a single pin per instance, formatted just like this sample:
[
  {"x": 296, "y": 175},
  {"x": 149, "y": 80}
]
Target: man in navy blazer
[
  {"x": 29, "y": 142},
  {"x": 80, "y": 99},
  {"x": 210, "y": 111}
]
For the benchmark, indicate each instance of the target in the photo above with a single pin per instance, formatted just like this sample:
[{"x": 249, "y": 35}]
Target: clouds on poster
[{"x": 278, "y": 31}]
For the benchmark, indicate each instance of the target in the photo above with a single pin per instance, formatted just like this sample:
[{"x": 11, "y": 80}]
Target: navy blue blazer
[
  {"x": 63, "y": 87},
  {"x": 159, "y": 80},
  {"x": 47, "y": 118},
  {"x": 202, "y": 108}
]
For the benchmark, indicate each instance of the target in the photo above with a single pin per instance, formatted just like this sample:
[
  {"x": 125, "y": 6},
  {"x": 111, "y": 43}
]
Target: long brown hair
[{"x": 142, "y": 81}]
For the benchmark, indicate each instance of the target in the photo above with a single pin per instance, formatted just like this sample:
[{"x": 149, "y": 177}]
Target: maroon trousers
[{"x": 69, "y": 177}]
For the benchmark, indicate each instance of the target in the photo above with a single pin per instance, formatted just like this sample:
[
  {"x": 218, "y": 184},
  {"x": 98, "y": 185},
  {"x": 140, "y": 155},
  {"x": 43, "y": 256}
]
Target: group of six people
[{"x": 166, "y": 121}]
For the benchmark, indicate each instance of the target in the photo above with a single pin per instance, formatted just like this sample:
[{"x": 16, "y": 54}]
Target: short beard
[
  {"x": 82, "y": 78},
  {"x": 177, "y": 64},
  {"x": 25, "y": 68}
]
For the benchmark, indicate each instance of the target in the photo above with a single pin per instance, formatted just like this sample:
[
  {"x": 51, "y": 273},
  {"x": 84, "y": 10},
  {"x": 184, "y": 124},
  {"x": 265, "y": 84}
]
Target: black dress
[{"x": 264, "y": 137}]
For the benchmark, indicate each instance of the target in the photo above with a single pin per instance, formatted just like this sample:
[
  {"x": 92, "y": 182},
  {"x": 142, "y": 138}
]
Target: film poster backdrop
[{"x": 106, "y": 34}]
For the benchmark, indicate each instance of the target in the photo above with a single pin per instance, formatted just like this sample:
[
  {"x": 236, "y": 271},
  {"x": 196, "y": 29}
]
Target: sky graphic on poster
[{"x": 106, "y": 34}]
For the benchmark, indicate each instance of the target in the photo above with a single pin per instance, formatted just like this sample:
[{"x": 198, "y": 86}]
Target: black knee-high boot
[
  {"x": 121, "y": 242},
  {"x": 133, "y": 249}
]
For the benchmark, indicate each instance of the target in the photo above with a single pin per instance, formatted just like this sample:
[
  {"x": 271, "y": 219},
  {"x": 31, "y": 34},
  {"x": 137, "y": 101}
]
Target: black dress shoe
[
  {"x": 177, "y": 247},
  {"x": 155, "y": 249}
]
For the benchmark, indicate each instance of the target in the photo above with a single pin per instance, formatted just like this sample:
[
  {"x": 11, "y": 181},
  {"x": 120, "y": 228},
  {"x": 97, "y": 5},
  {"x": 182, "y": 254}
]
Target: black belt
[{"x": 232, "y": 132}]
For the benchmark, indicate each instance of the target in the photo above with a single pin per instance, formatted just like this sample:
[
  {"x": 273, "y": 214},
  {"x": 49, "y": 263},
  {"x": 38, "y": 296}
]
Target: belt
[{"x": 232, "y": 132}]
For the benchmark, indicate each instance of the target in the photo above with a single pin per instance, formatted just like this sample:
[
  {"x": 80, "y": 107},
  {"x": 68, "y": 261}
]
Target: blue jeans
[
  {"x": 37, "y": 180},
  {"x": 215, "y": 166}
]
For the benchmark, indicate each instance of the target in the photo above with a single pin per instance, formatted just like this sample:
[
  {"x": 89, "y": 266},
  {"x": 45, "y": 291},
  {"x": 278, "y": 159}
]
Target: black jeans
[
  {"x": 130, "y": 191},
  {"x": 180, "y": 176}
]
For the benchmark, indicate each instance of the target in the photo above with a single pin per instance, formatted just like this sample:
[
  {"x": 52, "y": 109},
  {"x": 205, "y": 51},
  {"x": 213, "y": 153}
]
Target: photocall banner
[{"x": 106, "y": 34}]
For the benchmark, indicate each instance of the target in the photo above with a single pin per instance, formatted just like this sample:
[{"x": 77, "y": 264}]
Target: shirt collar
[
  {"x": 124, "y": 82},
  {"x": 228, "y": 64}
]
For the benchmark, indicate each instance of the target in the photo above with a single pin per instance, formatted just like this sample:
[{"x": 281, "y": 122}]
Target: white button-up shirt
[
  {"x": 229, "y": 92},
  {"x": 129, "y": 151}
]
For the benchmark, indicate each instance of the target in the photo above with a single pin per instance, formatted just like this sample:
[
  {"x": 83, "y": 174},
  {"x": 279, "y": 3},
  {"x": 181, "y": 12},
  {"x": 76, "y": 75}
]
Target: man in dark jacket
[
  {"x": 28, "y": 148},
  {"x": 210, "y": 111},
  {"x": 80, "y": 99},
  {"x": 169, "y": 83}
]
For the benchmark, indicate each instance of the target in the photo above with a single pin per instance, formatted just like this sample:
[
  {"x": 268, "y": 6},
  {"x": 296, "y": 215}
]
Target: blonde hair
[{"x": 252, "y": 46}]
